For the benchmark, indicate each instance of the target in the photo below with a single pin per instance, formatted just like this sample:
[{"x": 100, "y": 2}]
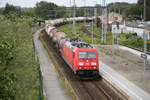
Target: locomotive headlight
[
  {"x": 81, "y": 63},
  {"x": 93, "y": 63}
]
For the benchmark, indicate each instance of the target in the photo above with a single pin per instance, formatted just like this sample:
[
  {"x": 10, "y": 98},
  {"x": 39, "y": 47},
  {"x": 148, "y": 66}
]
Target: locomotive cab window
[
  {"x": 85, "y": 55},
  {"x": 91, "y": 54}
]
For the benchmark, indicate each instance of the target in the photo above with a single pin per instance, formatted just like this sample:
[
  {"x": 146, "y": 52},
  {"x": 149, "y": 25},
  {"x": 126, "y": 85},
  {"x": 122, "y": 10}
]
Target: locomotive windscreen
[{"x": 85, "y": 55}]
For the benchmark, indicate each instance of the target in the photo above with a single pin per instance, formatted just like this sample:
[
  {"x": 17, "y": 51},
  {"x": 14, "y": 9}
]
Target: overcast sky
[{"x": 31, "y": 3}]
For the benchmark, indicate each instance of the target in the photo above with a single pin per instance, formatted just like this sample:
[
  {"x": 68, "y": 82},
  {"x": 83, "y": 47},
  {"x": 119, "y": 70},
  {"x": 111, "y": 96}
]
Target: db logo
[{"x": 87, "y": 63}]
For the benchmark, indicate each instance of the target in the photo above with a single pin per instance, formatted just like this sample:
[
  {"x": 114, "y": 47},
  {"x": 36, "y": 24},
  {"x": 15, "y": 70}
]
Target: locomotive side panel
[{"x": 68, "y": 54}]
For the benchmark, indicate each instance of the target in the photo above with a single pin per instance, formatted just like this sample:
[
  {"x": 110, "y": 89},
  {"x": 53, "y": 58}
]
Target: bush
[
  {"x": 7, "y": 88},
  {"x": 132, "y": 40},
  {"x": 6, "y": 52},
  {"x": 19, "y": 77}
]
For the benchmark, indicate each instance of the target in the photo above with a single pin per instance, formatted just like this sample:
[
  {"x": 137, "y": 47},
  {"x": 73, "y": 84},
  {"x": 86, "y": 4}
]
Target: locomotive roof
[{"x": 77, "y": 43}]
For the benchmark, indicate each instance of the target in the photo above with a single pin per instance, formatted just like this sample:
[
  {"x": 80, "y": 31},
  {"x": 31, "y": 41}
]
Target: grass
[
  {"x": 105, "y": 50},
  {"x": 83, "y": 36},
  {"x": 122, "y": 38},
  {"x": 116, "y": 52},
  {"x": 23, "y": 65},
  {"x": 132, "y": 41}
]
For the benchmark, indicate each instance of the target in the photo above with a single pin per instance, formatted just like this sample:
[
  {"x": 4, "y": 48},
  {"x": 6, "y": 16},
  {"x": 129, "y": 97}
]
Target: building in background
[
  {"x": 116, "y": 28},
  {"x": 112, "y": 17}
]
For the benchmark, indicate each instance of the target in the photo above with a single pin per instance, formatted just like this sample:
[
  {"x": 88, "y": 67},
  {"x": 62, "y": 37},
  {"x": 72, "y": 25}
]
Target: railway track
[
  {"x": 89, "y": 34},
  {"x": 84, "y": 90},
  {"x": 83, "y": 29}
]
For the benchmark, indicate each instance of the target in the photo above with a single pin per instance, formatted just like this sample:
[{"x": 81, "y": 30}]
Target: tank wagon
[{"x": 81, "y": 57}]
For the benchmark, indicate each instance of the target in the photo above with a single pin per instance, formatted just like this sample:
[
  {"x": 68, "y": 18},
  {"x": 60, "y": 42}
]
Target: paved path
[
  {"x": 128, "y": 87},
  {"x": 53, "y": 88}
]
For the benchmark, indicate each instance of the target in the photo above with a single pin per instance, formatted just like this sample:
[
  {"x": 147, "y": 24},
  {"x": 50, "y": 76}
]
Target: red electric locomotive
[{"x": 81, "y": 57}]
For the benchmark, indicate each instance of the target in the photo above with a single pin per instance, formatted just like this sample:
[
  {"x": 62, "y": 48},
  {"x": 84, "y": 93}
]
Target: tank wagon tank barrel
[
  {"x": 55, "y": 34},
  {"x": 82, "y": 58}
]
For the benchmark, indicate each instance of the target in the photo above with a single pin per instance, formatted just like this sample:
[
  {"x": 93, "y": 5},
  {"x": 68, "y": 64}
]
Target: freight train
[{"x": 81, "y": 57}]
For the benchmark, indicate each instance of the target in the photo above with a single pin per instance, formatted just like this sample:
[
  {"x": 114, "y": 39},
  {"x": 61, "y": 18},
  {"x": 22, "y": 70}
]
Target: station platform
[
  {"x": 133, "y": 91},
  {"x": 53, "y": 89},
  {"x": 131, "y": 50}
]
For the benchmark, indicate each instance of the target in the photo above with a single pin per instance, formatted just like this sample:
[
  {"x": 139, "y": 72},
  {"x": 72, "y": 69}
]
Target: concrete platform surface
[
  {"x": 132, "y": 51},
  {"x": 53, "y": 88},
  {"x": 128, "y": 87}
]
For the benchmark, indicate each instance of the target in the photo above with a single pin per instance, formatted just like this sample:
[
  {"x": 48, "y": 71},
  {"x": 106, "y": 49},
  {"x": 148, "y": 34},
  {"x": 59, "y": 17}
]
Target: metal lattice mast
[
  {"x": 102, "y": 37},
  {"x": 92, "y": 14},
  {"x": 74, "y": 15},
  {"x": 70, "y": 13},
  {"x": 103, "y": 22},
  {"x": 95, "y": 14},
  {"x": 70, "y": 9},
  {"x": 85, "y": 11}
]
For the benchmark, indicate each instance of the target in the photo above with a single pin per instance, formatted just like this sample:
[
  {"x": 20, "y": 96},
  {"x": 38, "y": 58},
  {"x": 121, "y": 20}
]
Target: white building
[
  {"x": 116, "y": 29},
  {"x": 127, "y": 28}
]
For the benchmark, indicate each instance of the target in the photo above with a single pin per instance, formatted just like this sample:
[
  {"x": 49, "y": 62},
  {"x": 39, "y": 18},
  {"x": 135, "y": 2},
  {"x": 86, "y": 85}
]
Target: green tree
[
  {"x": 118, "y": 7},
  {"x": 1, "y": 11},
  {"x": 133, "y": 13},
  {"x": 9, "y": 9},
  {"x": 45, "y": 10},
  {"x": 141, "y": 3},
  {"x": 6, "y": 52},
  {"x": 99, "y": 23},
  {"x": 29, "y": 12},
  {"x": 7, "y": 88},
  {"x": 136, "y": 11},
  {"x": 80, "y": 12},
  {"x": 61, "y": 12},
  {"x": 17, "y": 59}
]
